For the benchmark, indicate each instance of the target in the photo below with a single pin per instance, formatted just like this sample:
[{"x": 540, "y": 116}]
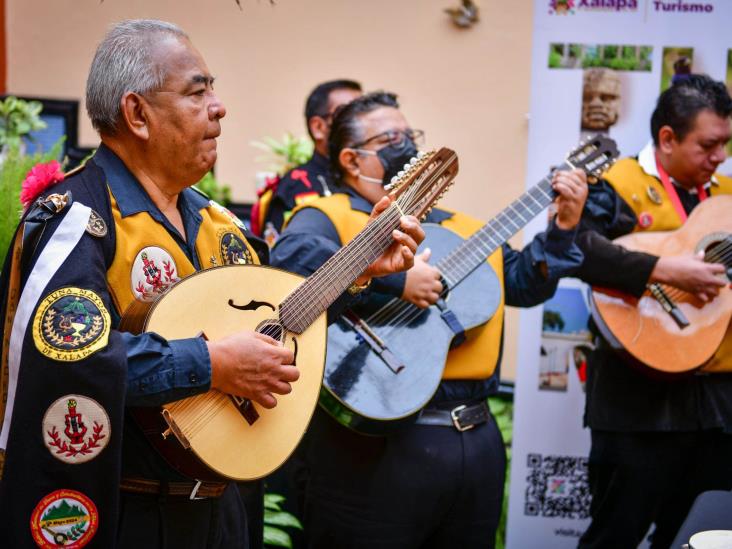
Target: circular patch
[
  {"x": 645, "y": 220},
  {"x": 153, "y": 272},
  {"x": 70, "y": 324},
  {"x": 75, "y": 429},
  {"x": 234, "y": 219},
  {"x": 64, "y": 518},
  {"x": 233, "y": 249}
]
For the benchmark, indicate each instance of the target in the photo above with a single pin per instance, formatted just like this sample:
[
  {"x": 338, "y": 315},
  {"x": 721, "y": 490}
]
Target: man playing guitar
[{"x": 656, "y": 442}]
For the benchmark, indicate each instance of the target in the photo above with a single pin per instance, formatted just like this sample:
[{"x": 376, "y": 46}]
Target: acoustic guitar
[
  {"x": 215, "y": 435},
  {"x": 385, "y": 363},
  {"x": 667, "y": 329}
]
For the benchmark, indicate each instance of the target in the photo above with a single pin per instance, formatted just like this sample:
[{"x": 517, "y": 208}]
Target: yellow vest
[
  {"x": 147, "y": 260},
  {"x": 632, "y": 184},
  {"x": 477, "y": 357}
]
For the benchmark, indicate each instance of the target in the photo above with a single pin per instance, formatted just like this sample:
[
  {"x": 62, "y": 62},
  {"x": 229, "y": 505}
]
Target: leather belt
[
  {"x": 462, "y": 417},
  {"x": 191, "y": 490}
]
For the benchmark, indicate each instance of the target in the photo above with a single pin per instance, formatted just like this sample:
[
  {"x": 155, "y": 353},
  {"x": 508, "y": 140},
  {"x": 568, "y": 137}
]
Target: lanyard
[{"x": 671, "y": 191}]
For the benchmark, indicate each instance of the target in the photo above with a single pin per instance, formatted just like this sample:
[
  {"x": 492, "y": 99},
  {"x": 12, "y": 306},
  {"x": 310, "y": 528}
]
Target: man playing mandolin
[
  {"x": 657, "y": 443},
  {"x": 119, "y": 231},
  {"x": 428, "y": 484}
]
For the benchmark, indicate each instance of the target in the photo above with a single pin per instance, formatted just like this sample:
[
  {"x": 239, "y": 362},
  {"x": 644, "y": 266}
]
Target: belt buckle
[
  {"x": 456, "y": 420},
  {"x": 193, "y": 496}
]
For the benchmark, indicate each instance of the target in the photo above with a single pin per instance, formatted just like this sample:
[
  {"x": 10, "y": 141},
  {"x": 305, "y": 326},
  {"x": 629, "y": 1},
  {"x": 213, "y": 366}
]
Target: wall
[{"x": 467, "y": 89}]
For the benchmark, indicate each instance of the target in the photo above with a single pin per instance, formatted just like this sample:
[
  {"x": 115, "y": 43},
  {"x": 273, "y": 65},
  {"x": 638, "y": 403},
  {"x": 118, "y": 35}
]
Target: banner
[{"x": 597, "y": 66}]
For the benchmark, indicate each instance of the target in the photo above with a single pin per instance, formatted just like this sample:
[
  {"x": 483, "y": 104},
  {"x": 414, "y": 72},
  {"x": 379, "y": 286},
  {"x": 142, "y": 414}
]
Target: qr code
[{"x": 557, "y": 486}]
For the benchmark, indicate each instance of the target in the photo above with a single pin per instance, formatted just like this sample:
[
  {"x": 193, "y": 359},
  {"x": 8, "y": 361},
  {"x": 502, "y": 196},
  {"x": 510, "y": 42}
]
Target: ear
[
  {"x": 318, "y": 128},
  {"x": 347, "y": 160},
  {"x": 666, "y": 139},
  {"x": 133, "y": 109}
]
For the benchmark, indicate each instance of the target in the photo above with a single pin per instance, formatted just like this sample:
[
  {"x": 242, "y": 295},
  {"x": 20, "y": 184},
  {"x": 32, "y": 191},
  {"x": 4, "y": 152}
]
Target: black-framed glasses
[{"x": 394, "y": 137}]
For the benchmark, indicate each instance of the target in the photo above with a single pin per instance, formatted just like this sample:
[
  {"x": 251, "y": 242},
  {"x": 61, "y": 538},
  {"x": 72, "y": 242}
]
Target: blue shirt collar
[{"x": 131, "y": 197}]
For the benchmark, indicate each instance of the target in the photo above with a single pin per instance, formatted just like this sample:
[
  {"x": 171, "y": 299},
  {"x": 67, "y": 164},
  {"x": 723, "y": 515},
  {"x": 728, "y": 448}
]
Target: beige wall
[{"x": 468, "y": 89}]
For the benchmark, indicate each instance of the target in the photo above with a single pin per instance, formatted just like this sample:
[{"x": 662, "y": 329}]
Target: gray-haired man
[{"x": 132, "y": 228}]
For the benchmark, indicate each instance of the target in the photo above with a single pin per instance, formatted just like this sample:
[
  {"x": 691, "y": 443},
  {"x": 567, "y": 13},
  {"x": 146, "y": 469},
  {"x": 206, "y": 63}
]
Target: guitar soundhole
[{"x": 272, "y": 328}]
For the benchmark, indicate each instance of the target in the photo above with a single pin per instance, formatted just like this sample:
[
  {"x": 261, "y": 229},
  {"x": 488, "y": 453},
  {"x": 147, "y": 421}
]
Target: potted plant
[{"x": 17, "y": 119}]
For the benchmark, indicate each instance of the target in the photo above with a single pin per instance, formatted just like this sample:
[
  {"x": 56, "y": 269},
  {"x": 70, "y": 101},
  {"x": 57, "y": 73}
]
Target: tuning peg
[{"x": 414, "y": 160}]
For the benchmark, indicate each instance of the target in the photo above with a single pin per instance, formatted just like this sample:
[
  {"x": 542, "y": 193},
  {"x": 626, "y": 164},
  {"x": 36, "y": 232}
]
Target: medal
[{"x": 654, "y": 195}]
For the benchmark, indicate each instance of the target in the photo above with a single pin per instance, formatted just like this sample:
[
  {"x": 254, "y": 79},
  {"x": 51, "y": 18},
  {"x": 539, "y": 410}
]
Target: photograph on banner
[
  {"x": 610, "y": 56},
  {"x": 676, "y": 63},
  {"x": 565, "y": 339}
]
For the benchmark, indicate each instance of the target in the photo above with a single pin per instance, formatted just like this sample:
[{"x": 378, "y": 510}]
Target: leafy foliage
[
  {"x": 13, "y": 170},
  {"x": 285, "y": 154},
  {"x": 275, "y": 519},
  {"x": 18, "y": 118},
  {"x": 502, "y": 410},
  {"x": 220, "y": 192}
]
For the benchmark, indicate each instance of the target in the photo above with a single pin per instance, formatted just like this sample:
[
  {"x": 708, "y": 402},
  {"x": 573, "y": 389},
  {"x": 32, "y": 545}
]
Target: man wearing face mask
[{"x": 428, "y": 484}]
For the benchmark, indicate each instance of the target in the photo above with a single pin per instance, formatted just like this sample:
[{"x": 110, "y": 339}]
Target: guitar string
[
  {"x": 456, "y": 261},
  {"x": 413, "y": 196},
  {"x": 716, "y": 257},
  {"x": 407, "y": 312}
]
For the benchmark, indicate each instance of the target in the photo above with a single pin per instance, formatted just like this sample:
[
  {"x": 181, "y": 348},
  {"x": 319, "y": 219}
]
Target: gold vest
[
  {"x": 633, "y": 185},
  {"x": 147, "y": 260},
  {"x": 477, "y": 357}
]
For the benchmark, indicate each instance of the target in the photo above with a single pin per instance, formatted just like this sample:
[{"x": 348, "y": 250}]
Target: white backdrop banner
[{"x": 597, "y": 65}]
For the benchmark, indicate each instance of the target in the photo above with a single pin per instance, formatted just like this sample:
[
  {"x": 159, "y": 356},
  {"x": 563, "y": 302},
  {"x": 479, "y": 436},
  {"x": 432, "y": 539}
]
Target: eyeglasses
[{"x": 396, "y": 138}]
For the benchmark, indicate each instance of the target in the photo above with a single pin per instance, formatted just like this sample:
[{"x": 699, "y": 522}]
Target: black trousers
[
  {"x": 640, "y": 479},
  {"x": 426, "y": 487},
  {"x": 153, "y": 522}
]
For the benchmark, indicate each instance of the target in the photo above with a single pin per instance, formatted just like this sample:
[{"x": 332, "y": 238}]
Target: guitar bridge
[
  {"x": 373, "y": 341},
  {"x": 173, "y": 428},
  {"x": 668, "y": 305}
]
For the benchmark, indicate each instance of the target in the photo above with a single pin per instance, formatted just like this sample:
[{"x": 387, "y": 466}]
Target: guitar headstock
[
  {"x": 594, "y": 156},
  {"x": 424, "y": 180}
]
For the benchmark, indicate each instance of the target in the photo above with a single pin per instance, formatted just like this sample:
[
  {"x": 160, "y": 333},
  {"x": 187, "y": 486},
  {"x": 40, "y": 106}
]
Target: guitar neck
[
  {"x": 313, "y": 297},
  {"x": 467, "y": 257}
]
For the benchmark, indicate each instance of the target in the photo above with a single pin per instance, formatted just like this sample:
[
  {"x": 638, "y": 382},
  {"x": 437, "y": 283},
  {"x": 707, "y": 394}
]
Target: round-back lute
[{"x": 215, "y": 435}]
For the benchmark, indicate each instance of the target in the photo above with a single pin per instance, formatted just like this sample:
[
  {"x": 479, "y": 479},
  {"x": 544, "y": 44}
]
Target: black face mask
[{"x": 393, "y": 158}]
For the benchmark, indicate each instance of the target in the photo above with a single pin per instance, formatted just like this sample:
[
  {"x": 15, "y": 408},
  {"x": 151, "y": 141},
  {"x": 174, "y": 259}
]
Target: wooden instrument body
[
  {"x": 211, "y": 425},
  {"x": 361, "y": 391},
  {"x": 642, "y": 328}
]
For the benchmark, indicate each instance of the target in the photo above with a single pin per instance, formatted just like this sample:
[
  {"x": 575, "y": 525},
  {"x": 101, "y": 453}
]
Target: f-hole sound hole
[{"x": 272, "y": 328}]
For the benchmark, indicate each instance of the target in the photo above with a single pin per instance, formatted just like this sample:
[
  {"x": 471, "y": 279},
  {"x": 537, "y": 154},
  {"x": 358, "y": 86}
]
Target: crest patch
[
  {"x": 234, "y": 219},
  {"x": 153, "y": 272},
  {"x": 70, "y": 324},
  {"x": 75, "y": 429},
  {"x": 64, "y": 518},
  {"x": 233, "y": 249}
]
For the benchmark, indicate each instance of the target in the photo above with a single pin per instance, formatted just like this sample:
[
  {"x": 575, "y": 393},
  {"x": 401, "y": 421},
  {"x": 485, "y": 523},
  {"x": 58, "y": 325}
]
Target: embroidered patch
[
  {"x": 96, "y": 225},
  {"x": 153, "y": 272},
  {"x": 70, "y": 324},
  {"x": 234, "y": 219},
  {"x": 233, "y": 249},
  {"x": 654, "y": 195},
  {"x": 75, "y": 429},
  {"x": 304, "y": 198},
  {"x": 645, "y": 220},
  {"x": 64, "y": 518}
]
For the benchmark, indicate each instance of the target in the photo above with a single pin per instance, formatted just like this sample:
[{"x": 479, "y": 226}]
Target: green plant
[
  {"x": 211, "y": 187},
  {"x": 13, "y": 170},
  {"x": 285, "y": 154},
  {"x": 18, "y": 118},
  {"x": 502, "y": 411},
  {"x": 275, "y": 519}
]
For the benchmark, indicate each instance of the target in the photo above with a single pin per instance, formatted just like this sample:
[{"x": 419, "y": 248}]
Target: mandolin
[
  {"x": 215, "y": 435},
  {"x": 667, "y": 330},
  {"x": 384, "y": 365}
]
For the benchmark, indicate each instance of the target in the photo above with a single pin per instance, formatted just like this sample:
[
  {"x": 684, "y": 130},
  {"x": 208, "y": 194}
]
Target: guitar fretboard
[{"x": 473, "y": 252}]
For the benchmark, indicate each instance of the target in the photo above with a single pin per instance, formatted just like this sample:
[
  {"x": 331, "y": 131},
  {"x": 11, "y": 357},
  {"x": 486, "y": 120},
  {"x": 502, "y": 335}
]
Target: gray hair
[{"x": 123, "y": 63}]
